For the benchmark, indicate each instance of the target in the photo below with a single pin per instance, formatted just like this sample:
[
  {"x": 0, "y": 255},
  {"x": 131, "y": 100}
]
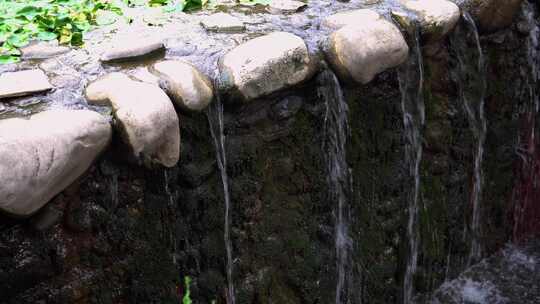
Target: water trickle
[
  {"x": 336, "y": 129},
  {"x": 170, "y": 197},
  {"x": 472, "y": 86},
  {"x": 215, "y": 120},
  {"x": 411, "y": 81},
  {"x": 526, "y": 192}
]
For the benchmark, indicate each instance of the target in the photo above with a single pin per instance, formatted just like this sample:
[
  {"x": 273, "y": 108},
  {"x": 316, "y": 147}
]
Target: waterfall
[
  {"x": 215, "y": 121},
  {"x": 336, "y": 131},
  {"x": 411, "y": 81},
  {"x": 472, "y": 89},
  {"x": 526, "y": 190}
]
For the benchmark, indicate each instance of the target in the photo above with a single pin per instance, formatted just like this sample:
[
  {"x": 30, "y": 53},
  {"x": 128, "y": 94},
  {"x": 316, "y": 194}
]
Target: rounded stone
[
  {"x": 360, "y": 52},
  {"x": 42, "y": 155},
  {"x": 187, "y": 86},
  {"x": 265, "y": 65},
  {"x": 437, "y": 17},
  {"x": 145, "y": 118}
]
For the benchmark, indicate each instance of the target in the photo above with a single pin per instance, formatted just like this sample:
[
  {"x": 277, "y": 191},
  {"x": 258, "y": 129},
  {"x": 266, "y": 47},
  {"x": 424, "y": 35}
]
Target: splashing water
[
  {"x": 411, "y": 81},
  {"x": 215, "y": 120},
  {"x": 526, "y": 193},
  {"x": 336, "y": 130},
  {"x": 472, "y": 86}
]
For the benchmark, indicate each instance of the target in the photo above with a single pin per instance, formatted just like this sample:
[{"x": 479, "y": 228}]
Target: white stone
[
  {"x": 189, "y": 88},
  {"x": 266, "y": 64},
  {"x": 437, "y": 17},
  {"x": 285, "y": 6},
  {"x": 360, "y": 52},
  {"x": 21, "y": 83},
  {"x": 132, "y": 46},
  {"x": 42, "y": 155},
  {"x": 145, "y": 118},
  {"x": 354, "y": 17},
  {"x": 43, "y": 50},
  {"x": 222, "y": 23}
]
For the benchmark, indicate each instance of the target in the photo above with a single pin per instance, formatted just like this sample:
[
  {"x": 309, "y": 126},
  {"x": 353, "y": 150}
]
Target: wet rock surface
[{"x": 510, "y": 276}]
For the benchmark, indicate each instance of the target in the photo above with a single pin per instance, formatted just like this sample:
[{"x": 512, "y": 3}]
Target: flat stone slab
[
  {"x": 42, "y": 155},
  {"x": 354, "y": 17},
  {"x": 188, "y": 87},
  {"x": 21, "y": 83},
  {"x": 132, "y": 46},
  {"x": 265, "y": 65},
  {"x": 43, "y": 50},
  {"x": 146, "y": 121},
  {"x": 222, "y": 23},
  {"x": 285, "y": 6}
]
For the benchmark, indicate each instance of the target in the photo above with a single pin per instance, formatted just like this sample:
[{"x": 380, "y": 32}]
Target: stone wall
[{"x": 149, "y": 209}]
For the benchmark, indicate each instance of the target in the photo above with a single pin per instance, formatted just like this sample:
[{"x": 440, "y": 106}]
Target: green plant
[
  {"x": 187, "y": 299},
  {"x": 66, "y": 20}
]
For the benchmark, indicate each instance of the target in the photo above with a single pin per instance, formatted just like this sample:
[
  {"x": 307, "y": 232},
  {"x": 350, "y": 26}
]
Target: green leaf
[{"x": 6, "y": 59}]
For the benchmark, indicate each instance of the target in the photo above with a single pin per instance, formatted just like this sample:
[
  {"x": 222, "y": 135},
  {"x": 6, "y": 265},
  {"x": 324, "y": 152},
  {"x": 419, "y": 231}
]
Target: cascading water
[
  {"x": 526, "y": 194},
  {"x": 215, "y": 120},
  {"x": 411, "y": 80},
  {"x": 336, "y": 132},
  {"x": 472, "y": 89}
]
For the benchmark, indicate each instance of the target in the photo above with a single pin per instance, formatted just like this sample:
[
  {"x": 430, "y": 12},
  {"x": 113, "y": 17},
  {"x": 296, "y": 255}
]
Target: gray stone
[
  {"x": 21, "y": 83},
  {"x": 437, "y": 17},
  {"x": 354, "y": 17},
  {"x": 42, "y": 155},
  {"x": 360, "y": 52},
  {"x": 131, "y": 47},
  {"x": 285, "y": 6},
  {"x": 43, "y": 50},
  {"x": 145, "y": 118},
  {"x": 492, "y": 15},
  {"x": 222, "y": 23},
  {"x": 188, "y": 87},
  {"x": 266, "y": 64}
]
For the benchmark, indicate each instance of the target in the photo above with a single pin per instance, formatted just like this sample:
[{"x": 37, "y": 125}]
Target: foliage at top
[{"x": 22, "y": 21}]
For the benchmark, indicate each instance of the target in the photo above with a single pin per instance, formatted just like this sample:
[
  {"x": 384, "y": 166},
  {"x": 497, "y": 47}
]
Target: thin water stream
[
  {"x": 336, "y": 130},
  {"x": 411, "y": 81},
  {"x": 215, "y": 120},
  {"x": 472, "y": 86}
]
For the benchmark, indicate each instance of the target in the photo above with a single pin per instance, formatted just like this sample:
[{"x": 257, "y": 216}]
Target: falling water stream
[
  {"x": 472, "y": 89},
  {"x": 215, "y": 120},
  {"x": 336, "y": 129},
  {"x": 411, "y": 81}
]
